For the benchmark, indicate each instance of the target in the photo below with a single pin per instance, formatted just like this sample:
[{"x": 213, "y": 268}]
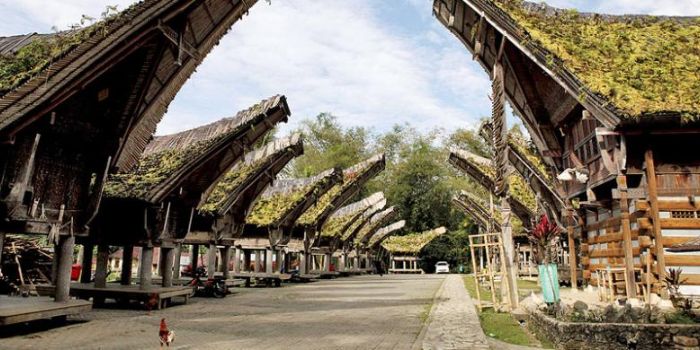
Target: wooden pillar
[
  {"x": 225, "y": 258},
  {"x": 302, "y": 263},
  {"x": 572, "y": 252},
  {"x": 211, "y": 260},
  {"x": 101, "y": 266},
  {"x": 2, "y": 244},
  {"x": 176, "y": 262},
  {"x": 127, "y": 263},
  {"x": 64, "y": 256},
  {"x": 258, "y": 259},
  {"x": 146, "y": 268},
  {"x": 327, "y": 262},
  {"x": 269, "y": 251},
  {"x": 341, "y": 263},
  {"x": 630, "y": 285},
  {"x": 508, "y": 250},
  {"x": 86, "y": 270},
  {"x": 237, "y": 260},
  {"x": 654, "y": 201},
  {"x": 166, "y": 266},
  {"x": 195, "y": 258}
]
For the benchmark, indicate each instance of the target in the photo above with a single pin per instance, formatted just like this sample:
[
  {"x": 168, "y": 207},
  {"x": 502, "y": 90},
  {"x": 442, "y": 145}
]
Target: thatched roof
[
  {"x": 411, "y": 244},
  {"x": 629, "y": 67},
  {"x": 342, "y": 218},
  {"x": 354, "y": 178},
  {"x": 360, "y": 220},
  {"x": 475, "y": 208},
  {"x": 37, "y": 71},
  {"x": 482, "y": 170},
  {"x": 373, "y": 224},
  {"x": 255, "y": 164},
  {"x": 384, "y": 233},
  {"x": 172, "y": 157},
  {"x": 287, "y": 199}
]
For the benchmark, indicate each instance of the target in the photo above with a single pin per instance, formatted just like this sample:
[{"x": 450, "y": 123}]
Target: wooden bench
[
  {"x": 162, "y": 295},
  {"x": 270, "y": 279}
]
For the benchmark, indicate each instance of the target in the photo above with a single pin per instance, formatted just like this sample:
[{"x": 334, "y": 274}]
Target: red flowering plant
[{"x": 543, "y": 238}]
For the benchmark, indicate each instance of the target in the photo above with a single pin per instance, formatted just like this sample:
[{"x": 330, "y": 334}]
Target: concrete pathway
[
  {"x": 365, "y": 312},
  {"x": 453, "y": 321}
]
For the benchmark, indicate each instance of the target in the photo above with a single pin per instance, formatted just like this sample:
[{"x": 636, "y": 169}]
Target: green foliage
[
  {"x": 229, "y": 183},
  {"x": 641, "y": 64},
  {"x": 411, "y": 243},
  {"x": 452, "y": 247},
  {"x": 270, "y": 209},
  {"x": 33, "y": 58}
]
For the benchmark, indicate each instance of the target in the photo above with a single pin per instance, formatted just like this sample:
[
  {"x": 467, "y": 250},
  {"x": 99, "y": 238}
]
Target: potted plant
[{"x": 543, "y": 239}]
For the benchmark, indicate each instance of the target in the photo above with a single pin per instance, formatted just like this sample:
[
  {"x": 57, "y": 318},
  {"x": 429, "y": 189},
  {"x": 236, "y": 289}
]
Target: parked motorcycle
[{"x": 207, "y": 287}]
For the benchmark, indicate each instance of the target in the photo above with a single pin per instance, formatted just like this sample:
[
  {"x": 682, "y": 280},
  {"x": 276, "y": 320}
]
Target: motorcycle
[{"x": 209, "y": 287}]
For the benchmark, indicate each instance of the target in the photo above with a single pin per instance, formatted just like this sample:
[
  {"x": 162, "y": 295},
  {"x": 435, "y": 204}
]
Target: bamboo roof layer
[
  {"x": 373, "y": 224},
  {"x": 41, "y": 69},
  {"x": 384, "y": 233},
  {"x": 477, "y": 210},
  {"x": 352, "y": 229},
  {"x": 247, "y": 171},
  {"x": 354, "y": 178},
  {"x": 288, "y": 197},
  {"x": 168, "y": 157},
  {"x": 341, "y": 219},
  {"x": 411, "y": 244}
]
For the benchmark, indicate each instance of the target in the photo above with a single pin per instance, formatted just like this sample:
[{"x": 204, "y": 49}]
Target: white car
[{"x": 442, "y": 267}]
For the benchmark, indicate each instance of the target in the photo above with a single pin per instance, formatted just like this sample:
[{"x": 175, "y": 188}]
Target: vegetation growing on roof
[
  {"x": 411, "y": 243},
  {"x": 154, "y": 168},
  {"x": 34, "y": 57},
  {"x": 641, "y": 64},
  {"x": 335, "y": 225},
  {"x": 526, "y": 149},
  {"x": 229, "y": 183}
]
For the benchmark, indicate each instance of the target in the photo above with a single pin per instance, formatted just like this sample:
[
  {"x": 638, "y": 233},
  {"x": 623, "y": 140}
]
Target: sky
[{"x": 371, "y": 63}]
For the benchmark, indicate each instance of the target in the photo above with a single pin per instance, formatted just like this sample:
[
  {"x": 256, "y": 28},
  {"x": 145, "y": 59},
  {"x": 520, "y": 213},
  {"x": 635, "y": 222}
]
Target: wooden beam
[
  {"x": 682, "y": 260},
  {"x": 630, "y": 286},
  {"x": 654, "y": 200},
  {"x": 693, "y": 224}
]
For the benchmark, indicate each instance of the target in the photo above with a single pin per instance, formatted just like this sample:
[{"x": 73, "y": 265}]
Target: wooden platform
[
  {"x": 231, "y": 282},
  {"x": 19, "y": 309},
  {"x": 325, "y": 274},
  {"x": 270, "y": 279},
  {"x": 413, "y": 271},
  {"x": 161, "y": 295}
]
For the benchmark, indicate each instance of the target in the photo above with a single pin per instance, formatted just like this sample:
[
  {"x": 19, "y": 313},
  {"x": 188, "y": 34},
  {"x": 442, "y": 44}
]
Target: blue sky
[{"x": 371, "y": 63}]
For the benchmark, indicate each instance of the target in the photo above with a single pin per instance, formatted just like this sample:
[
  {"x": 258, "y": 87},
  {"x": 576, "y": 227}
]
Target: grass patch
[
  {"x": 425, "y": 313},
  {"x": 501, "y": 326}
]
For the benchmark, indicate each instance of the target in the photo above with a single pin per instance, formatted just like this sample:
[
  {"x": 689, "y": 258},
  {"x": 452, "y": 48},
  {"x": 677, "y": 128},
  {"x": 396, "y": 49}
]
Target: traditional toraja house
[
  {"x": 373, "y": 251},
  {"x": 581, "y": 84},
  {"x": 221, "y": 218},
  {"x": 330, "y": 239},
  {"x": 348, "y": 236},
  {"x": 269, "y": 226},
  {"x": 155, "y": 203},
  {"x": 310, "y": 224},
  {"x": 125, "y": 69},
  {"x": 404, "y": 250},
  {"x": 365, "y": 233}
]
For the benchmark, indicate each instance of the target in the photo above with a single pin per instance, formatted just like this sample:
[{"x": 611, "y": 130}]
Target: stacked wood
[{"x": 25, "y": 261}]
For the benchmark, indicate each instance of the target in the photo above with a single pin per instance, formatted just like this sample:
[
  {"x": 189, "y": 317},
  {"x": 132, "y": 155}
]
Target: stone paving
[
  {"x": 366, "y": 312},
  {"x": 454, "y": 323}
]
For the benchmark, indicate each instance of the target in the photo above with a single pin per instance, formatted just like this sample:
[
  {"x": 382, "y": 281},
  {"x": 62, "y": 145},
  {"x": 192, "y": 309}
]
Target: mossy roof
[
  {"x": 412, "y": 243},
  {"x": 351, "y": 178},
  {"x": 340, "y": 219},
  {"x": 362, "y": 219},
  {"x": 641, "y": 65},
  {"x": 166, "y": 156},
  {"x": 517, "y": 186},
  {"x": 286, "y": 195},
  {"x": 385, "y": 231},
  {"x": 374, "y": 223},
  {"x": 247, "y": 170}
]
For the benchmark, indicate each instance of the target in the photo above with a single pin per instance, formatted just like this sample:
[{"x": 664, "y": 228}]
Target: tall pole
[
  {"x": 572, "y": 251},
  {"x": 499, "y": 135},
  {"x": 654, "y": 201},
  {"x": 63, "y": 267}
]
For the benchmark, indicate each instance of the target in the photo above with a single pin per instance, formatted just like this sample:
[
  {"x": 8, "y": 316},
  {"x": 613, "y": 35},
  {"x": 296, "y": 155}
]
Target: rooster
[{"x": 166, "y": 335}]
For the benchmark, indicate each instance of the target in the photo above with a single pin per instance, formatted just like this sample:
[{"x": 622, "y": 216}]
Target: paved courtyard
[{"x": 367, "y": 312}]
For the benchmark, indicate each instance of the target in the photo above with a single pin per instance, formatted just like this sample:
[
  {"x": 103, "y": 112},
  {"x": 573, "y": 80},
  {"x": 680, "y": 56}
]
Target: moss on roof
[
  {"x": 335, "y": 225},
  {"x": 641, "y": 64},
  {"x": 526, "y": 149},
  {"x": 411, "y": 243},
  {"x": 273, "y": 206},
  {"x": 344, "y": 216}
]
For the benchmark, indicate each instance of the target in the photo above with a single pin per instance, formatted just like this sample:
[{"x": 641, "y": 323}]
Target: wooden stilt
[
  {"x": 225, "y": 258},
  {"x": 146, "y": 268},
  {"x": 572, "y": 253},
  {"x": 302, "y": 263},
  {"x": 176, "y": 261},
  {"x": 166, "y": 268},
  {"x": 65, "y": 260},
  {"x": 656, "y": 221},
  {"x": 195, "y": 257},
  {"x": 237, "y": 260},
  {"x": 101, "y": 266},
  {"x": 268, "y": 259},
  {"x": 211, "y": 261},
  {"x": 86, "y": 269},
  {"x": 127, "y": 264}
]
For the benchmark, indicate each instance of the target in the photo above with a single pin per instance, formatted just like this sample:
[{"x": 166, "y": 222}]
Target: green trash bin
[{"x": 549, "y": 281}]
